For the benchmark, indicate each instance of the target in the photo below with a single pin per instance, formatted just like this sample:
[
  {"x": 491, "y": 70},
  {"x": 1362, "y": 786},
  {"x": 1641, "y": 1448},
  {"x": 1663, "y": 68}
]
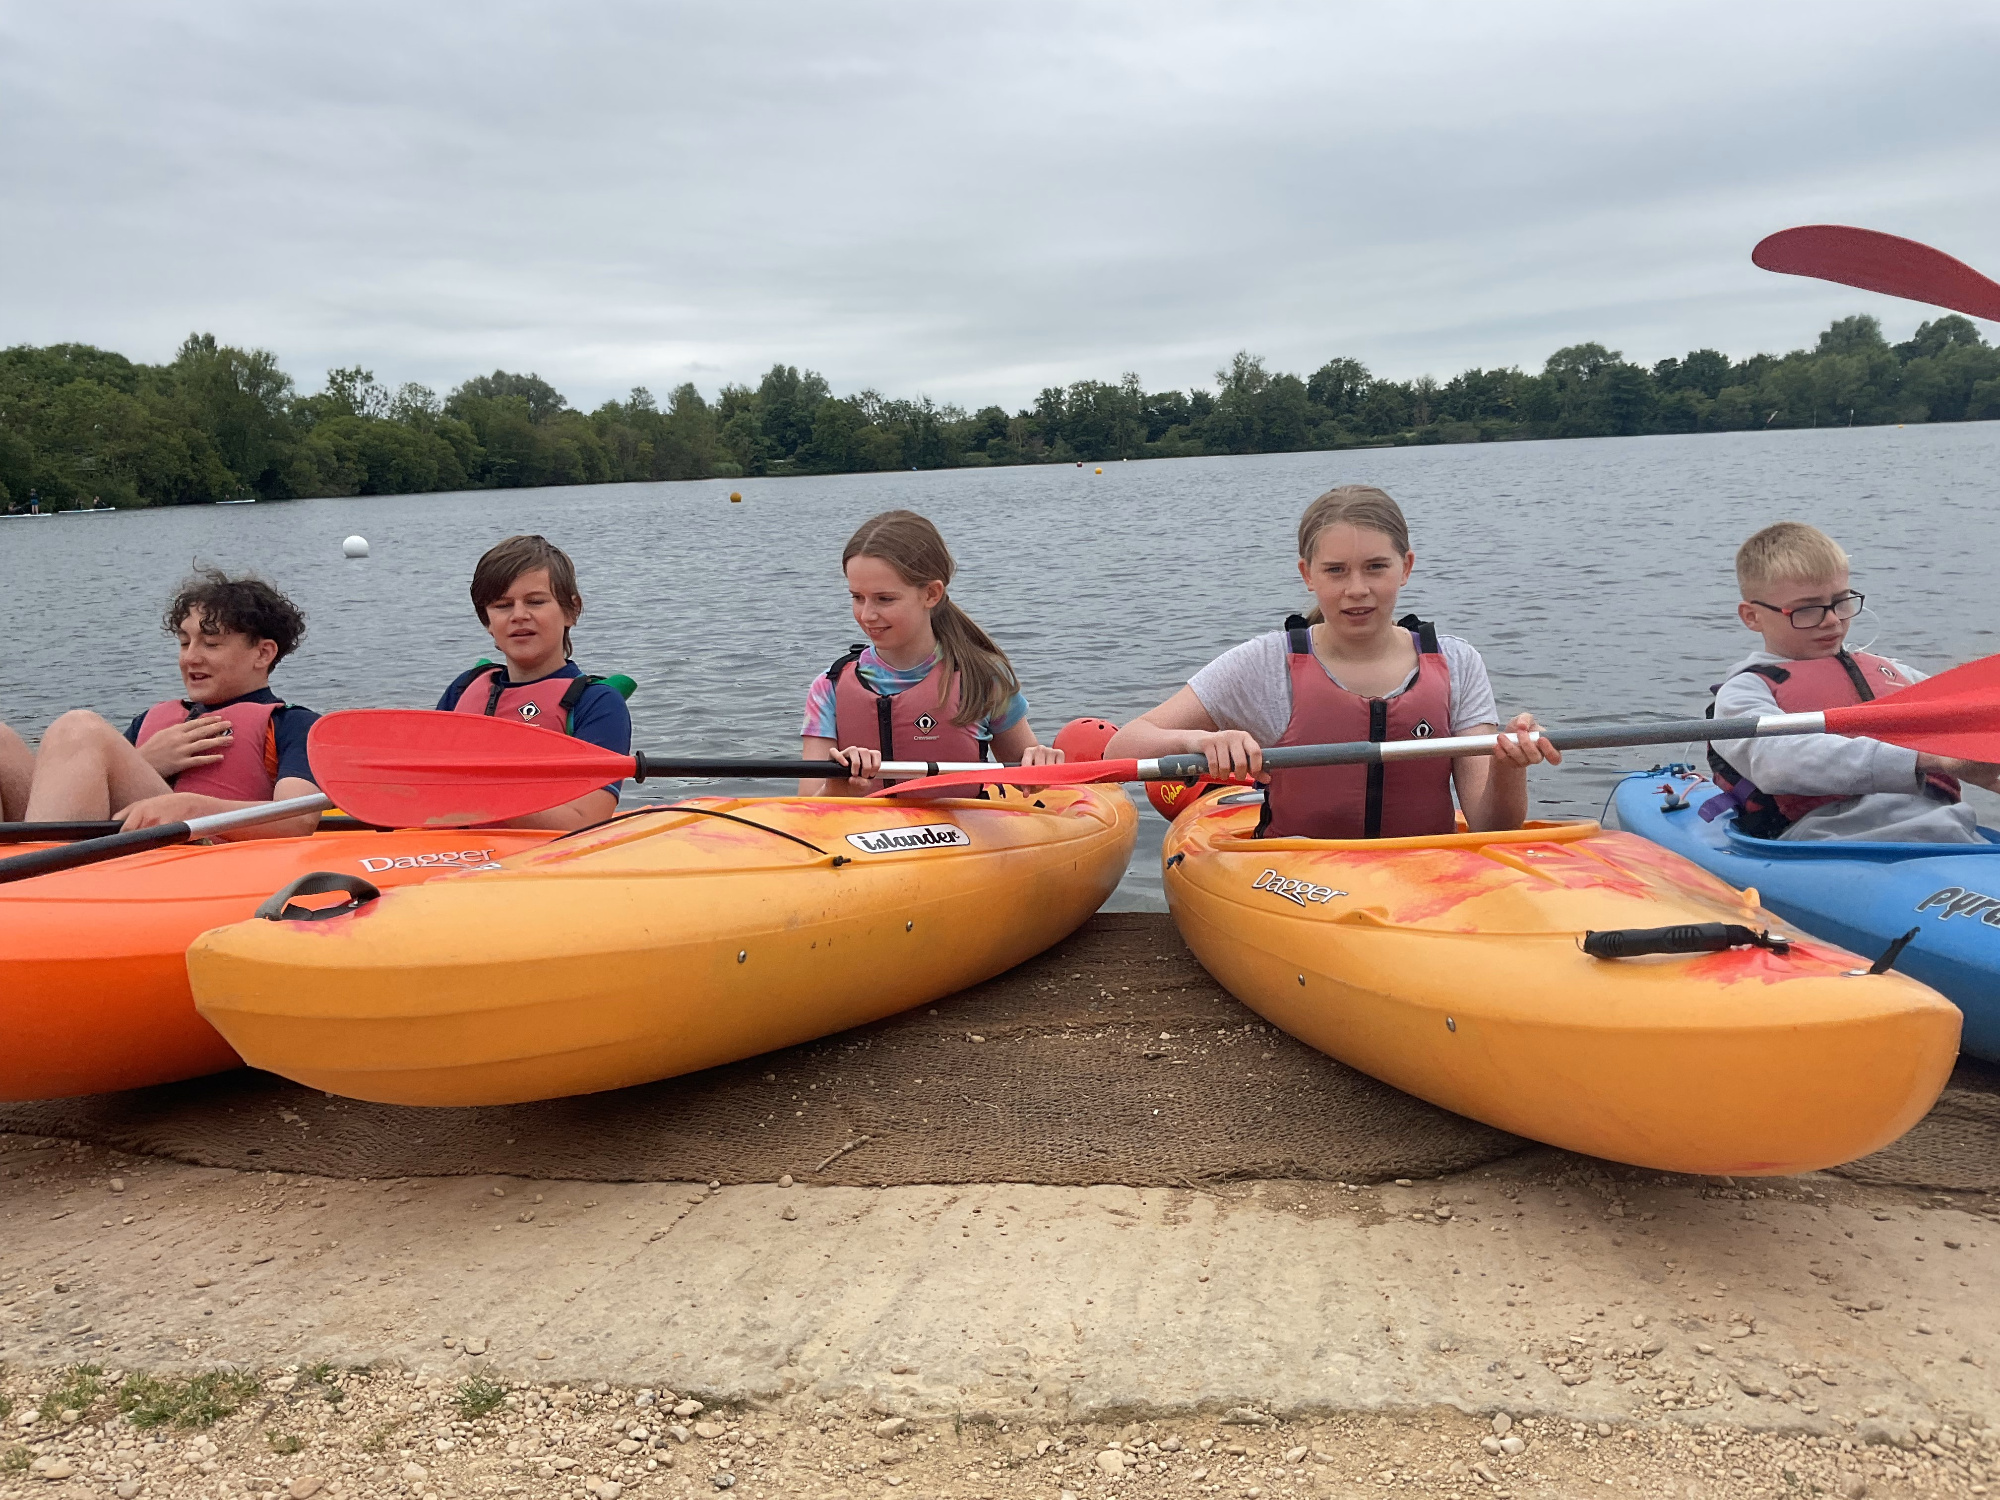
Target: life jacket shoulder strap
[
  {"x": 853, "y": 655},
  {"x": 1425, "y": 632}
]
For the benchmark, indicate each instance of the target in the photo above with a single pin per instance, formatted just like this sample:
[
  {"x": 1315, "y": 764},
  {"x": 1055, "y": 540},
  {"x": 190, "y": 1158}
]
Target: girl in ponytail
[{"x": 929, "y": 684}]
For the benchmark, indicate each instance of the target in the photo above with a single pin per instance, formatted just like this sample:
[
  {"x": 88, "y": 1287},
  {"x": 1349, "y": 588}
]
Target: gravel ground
[
  {"x": 1546, "y": 1326},
  {"x": 296, "y": 1433}
]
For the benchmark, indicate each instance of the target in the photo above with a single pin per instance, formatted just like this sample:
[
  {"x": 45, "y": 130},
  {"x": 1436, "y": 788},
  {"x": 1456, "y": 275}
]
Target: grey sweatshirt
[{"x": 1885, "y": 801}]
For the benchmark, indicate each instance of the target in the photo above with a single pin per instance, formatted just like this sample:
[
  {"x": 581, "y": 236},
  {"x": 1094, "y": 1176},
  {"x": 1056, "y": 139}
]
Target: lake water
[{"x": 1594, "y": 575}]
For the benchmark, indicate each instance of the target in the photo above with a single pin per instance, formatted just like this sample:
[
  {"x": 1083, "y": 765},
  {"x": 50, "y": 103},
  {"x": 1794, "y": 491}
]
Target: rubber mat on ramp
[{"x": 1113, "y": 1058}]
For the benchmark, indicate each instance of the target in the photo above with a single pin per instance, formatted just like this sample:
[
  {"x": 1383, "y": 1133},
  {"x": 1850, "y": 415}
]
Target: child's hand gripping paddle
[
  {"x": 1878, "y": 262},
  {"x": 1956, "y": 713},
  {"x": 419, "y": 768}
]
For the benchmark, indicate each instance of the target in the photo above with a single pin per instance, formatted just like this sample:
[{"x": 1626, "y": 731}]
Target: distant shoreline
[{"x": 221, "y": 424}]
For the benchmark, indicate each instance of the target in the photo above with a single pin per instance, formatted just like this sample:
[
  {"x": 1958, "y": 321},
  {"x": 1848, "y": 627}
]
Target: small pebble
[
  {"x": 475, "y": 1346},
  {"x": 414, "y": 1473},
  {"x": 60, "y": 1468},
  {"x": 117, "y": 1184},
  {"x": 545, "y": 1353},
  {"x": 893, "y": 1427},
  {"x": 789, "y": 1213},
  {"x": 1502, "y": 1424},
  {"x": 786, "y": 1180},
  {"x": 687, "y": 1408},
  {"x": 1513, "y": 1445},
  {"x": 709, "y": 1430},
  {"x": 305, "y": 1487}
]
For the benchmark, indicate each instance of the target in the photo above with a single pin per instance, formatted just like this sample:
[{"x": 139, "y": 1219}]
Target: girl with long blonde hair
[{"x": 928, "y": 684}]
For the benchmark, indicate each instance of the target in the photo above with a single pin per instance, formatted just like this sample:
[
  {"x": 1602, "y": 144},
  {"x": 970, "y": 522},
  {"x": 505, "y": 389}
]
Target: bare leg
[
  {"x": 87, "y": 769},
  {"x": 17, "y": 770}
]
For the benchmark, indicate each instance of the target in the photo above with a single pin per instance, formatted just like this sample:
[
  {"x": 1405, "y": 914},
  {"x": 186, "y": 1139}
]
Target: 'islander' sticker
[
  {"x": 1957, "y": 901},
  {"x": 1299, "y": 892},
  {"x": 922, "y": 836},
  {"x": 453, "y": 859}
]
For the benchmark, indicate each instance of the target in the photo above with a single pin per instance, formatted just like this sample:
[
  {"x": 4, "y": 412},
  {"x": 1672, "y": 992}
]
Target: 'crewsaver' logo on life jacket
[
  {"x": 925, "y": 723},
  {"x": 1421, "y": 730},
  {"x": 531, "y": 710},
  {"x": 1298, "y": 892},
  {"x": 899, "y": 840},
  {"x": 1956, "y": 901}
]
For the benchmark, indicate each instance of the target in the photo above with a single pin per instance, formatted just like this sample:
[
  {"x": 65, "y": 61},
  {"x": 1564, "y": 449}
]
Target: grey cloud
[{"x": 972, "y": 201}]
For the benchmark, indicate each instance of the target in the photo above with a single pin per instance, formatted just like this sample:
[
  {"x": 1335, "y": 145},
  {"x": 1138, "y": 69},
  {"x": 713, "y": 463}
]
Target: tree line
[{"x": 80, "y": 424}]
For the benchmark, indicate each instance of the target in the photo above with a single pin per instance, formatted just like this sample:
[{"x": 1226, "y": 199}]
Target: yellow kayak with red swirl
[
  {"x": 662, "y": 942},
  {"x": 1453, "y": 968}
]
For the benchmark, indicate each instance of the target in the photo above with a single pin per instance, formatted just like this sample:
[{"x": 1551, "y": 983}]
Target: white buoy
[{"x": 354, "y": 546}]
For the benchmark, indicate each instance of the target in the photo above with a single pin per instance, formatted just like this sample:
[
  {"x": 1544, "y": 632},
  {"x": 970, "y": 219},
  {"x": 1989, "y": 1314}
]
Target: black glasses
[{"x": 1807, "y": 616}]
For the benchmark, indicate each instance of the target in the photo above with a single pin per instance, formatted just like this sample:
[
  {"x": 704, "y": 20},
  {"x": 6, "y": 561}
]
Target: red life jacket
[
  {"x": 1805, "y": 687},
  {"x": 915, "y": 724},
  {"x": 248, "y": 770},
  {"x": 547, "y": 703},
  {"x": 1397, "y": 800}
]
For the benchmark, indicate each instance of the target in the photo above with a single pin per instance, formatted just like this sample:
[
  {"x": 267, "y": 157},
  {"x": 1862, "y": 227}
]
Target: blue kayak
[{"x": 1861, "y": 896}]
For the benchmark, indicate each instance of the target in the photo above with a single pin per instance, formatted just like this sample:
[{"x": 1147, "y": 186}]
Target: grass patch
[
  {"x": 319, "y": 1374},
  {"x": 478, "y": 1395},
  {"x": 379, "y": 1438},
  {"x": 15, "y": 1460},
  {"x": 191, "y": 1401},
  {"x": 76, "y": 1389},
  {"x": 6, "y": 1406},
  {"x": 284, "y": 1442}
]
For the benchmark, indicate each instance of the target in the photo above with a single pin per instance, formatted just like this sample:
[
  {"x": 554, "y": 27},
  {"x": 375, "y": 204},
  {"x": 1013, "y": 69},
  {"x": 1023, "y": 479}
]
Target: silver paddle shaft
[
  {"x": 1587, "y": 737},
  {"x": 263, "y": 812}
]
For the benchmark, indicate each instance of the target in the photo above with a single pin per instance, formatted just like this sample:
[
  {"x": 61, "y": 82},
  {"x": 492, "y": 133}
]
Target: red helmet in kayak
[{"x": 1084, "y": 739}]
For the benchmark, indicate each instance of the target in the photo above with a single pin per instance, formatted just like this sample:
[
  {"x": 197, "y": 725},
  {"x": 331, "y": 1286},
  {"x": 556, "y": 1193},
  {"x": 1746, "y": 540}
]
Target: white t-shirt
[{"x": 1249, "y": 687}]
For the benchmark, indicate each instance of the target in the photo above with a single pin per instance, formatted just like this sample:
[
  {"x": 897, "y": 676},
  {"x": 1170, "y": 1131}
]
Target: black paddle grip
[
  {"x": 90, "y": 851},
  {"x": 1690, "y": 937}
]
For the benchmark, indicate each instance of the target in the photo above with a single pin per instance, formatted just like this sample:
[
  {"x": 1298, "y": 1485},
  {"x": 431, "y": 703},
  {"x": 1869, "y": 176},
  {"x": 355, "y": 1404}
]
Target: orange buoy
[{"x": 736, "y": 497}]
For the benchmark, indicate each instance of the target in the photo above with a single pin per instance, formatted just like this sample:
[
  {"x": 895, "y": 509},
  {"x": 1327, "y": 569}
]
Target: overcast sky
[{"x": 972, "y": 201}]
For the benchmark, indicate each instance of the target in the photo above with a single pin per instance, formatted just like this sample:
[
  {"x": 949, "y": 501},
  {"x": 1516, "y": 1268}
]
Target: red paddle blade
[
  {"x": 1954, "y": 713},
  {"x": 1075, "y": 773},
  {"x": 417, "y": 768},
  {"x": 1878, "y": 262}
]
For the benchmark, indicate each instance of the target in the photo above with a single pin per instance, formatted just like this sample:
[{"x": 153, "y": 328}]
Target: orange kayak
[
  {"x": 93, "y": 969},
  {"x": 1453, "y": 967}
]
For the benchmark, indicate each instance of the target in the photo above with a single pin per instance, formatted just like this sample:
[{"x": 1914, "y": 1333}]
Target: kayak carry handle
[
  {"x": 1689, "y": 937},
  {"x": 279, "y": 907}
]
